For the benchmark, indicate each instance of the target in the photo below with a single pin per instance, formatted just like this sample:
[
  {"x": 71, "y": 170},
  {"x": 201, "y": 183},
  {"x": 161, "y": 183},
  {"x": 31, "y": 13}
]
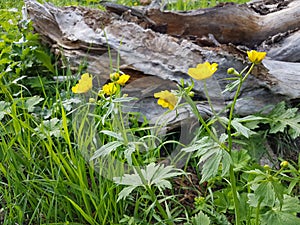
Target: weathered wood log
[
  {"x": 157, "y": 48},
  {"x": 231, "y": 23}
]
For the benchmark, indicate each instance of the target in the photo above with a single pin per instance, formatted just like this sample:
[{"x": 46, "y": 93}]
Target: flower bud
[
  {"x": 267, "y": 167},
  {"x": 114, "y": 76},
  {"x": 199, "y": 199},
  {"x": 92, "y": 100},
  {"x": 191, "y": 94},
  {"x": 284, "y": 164},
  {"x": 232, "y": 71}
]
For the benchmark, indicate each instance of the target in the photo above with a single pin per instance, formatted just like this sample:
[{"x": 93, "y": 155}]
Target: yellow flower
[
  {"x": 109, "y": 89},
  {"x": 166, "y": 99},
  {"x": 84, "y": 84},
  {"x": 203, "y": 71},
  {"x": 123, "y": 79},
  {"x": 256, "y": 57}
]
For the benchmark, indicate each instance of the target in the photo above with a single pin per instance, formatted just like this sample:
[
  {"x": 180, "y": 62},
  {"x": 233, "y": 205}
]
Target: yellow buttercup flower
[
  {"x": 84, "y": 84},
  {"x": 109, "y": 89},
  {"x": 203, "y": 71},
  {"x": 123, "y": 79},
  {"x": 166, "y": 99},
  {"x": 256, "y": 57}
]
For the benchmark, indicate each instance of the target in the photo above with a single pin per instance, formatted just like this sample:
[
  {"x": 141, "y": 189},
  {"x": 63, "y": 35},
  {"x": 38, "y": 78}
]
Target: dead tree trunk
[{"x": 157, "y": 48}]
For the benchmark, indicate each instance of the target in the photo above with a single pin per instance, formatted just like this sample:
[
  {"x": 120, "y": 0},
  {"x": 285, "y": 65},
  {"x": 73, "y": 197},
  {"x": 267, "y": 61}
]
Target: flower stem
[
  {"x": 231, "y": 169},
  {"x": 211, "y": 105},
  {"x": 204, "y": 124},
  {"x": 257, "y": 213},
  {"x": 235, "y": 195}
]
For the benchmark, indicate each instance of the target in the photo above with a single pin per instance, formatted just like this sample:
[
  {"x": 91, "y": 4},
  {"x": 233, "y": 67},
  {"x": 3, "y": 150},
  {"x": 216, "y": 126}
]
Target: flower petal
[
  {"x": 109, "y": 89},
  {"x": 123, "y": 79},
  {"x": 203, "y": 71}
]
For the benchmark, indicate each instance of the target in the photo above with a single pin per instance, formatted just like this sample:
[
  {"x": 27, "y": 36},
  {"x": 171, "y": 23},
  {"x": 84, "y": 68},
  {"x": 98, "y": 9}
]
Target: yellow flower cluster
[
  {"x": 117, "y": 79},
  {"x": 84, "y": 84},
  {"x": 203, "y": 71}
]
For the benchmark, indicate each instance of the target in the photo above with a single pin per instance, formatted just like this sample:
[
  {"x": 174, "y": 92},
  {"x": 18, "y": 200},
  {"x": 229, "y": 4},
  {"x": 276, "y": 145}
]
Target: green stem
[
  {"x": 118, "y": 118},
  {"x": 211, "y": 105},
  {"x": 257, "y": 213},
  {"x": 122, "y": 126},
  {"x": 204, "y": 124},
  {"x": 231, "y": 170},
  {"x": 235, "y": 196}
]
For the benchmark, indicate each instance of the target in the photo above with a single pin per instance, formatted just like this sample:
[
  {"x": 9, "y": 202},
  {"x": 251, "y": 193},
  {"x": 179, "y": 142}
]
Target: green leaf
[
  {"x": 201, "y": 219},
  {"x": 278, "y": 190},
  {"x": 125, "y": 192},
  {"x": 45, "y": 60},
  {"x": 112, "y": 134},
  {"x": 4, "y": 109},
  {"x": 130, "y": 148},
  {"x": 243, "y": 130},
  {"x": 106, "y": 149},
  {"x": 52, "y": 127},
  {"x": 231, "y": 86},
  {"x": 123, "y": 99},
  {"x": 85, "y": 215},
  {"x": 290, "y": 205},
  {"x": 240, "y": 159},
  {"x": 211, "y": 163},
  {"x": 152, "y": 174},
  {"x": 211, "y": 155},
  {"x": 226, "y": 162},
  {"x": 281, "y": 118},
  {"x": 265, "y": 193},
  {"x": 5, "y": 61},
  {"x": 68, "y": 103},
  {"x": 32, "y": 102},
  {"x": 251, "y": 121},
  {"x": 201, "y": 146},
  {"x": 278, "y": 217}
]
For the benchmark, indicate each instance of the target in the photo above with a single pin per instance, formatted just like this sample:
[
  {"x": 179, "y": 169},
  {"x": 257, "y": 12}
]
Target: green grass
[{"x": 48, "y": 134}]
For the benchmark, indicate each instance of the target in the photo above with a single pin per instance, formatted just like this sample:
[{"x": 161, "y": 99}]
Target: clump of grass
[{"x": 44, "y": 177}]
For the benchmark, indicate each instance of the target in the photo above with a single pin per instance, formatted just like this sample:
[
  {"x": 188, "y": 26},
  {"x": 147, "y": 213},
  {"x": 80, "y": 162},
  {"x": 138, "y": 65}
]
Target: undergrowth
[{"x": 68, "y": 157}]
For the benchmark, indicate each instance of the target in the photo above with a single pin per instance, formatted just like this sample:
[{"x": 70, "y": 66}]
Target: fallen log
[
  {"x": 157, "y": 48},
  {"x": 231, "y": 23}
]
